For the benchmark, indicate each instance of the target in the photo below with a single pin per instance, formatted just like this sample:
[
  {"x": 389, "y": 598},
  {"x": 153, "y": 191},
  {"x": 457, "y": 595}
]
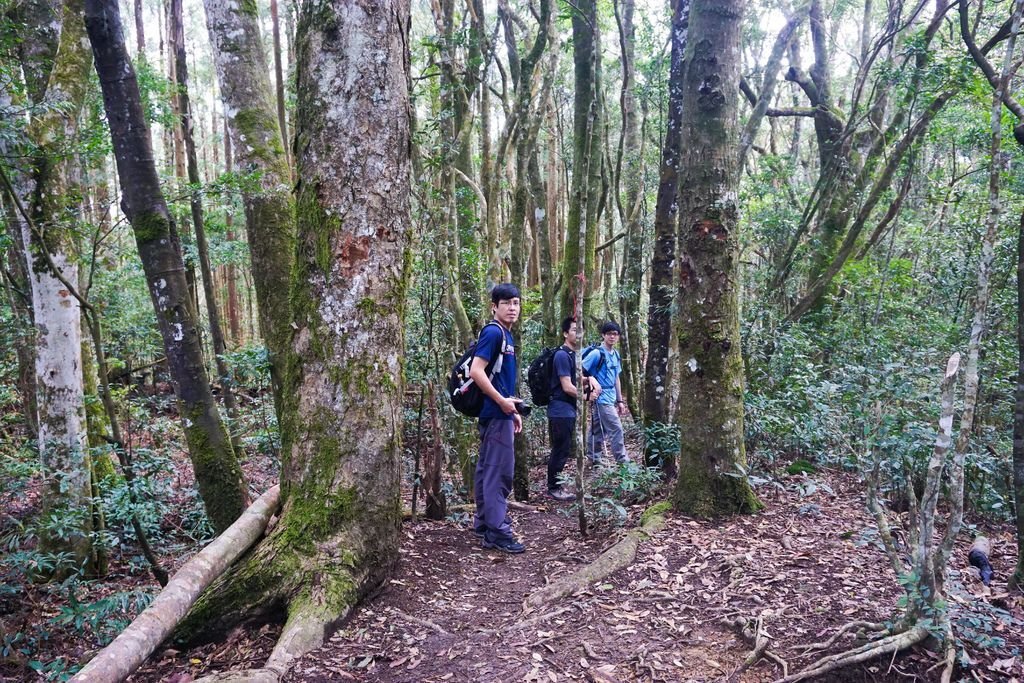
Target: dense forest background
[{"x": 863, "y": 202}]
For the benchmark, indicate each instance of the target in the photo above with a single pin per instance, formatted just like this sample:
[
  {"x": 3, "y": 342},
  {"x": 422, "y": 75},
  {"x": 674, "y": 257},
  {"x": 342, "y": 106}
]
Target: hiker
[
  {"x": 604, "y": 364},
  {"x": 499, "y": 422},
  {"x": 562, "y": 409}
]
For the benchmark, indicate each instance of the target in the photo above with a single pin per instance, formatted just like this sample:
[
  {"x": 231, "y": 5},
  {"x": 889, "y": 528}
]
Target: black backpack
[
  {"x": 600, "y": 361},
  {"x": 463, "y": 392},
  {"x": 538, "y": 377}
]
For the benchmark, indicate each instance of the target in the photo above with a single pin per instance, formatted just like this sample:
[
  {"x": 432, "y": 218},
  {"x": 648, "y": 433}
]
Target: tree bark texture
[
  {"x": 218, "y": 475},
  {"x": 712, "y": 457},
  {"x": 661, "y": 295},
  {"x": 251, "y": 113},
  {"x": 55, "y": 201},
  {"x": 338, "y": 534},
  {"x": 582, "y": 219},
  {"x": 37, "y": 51}
]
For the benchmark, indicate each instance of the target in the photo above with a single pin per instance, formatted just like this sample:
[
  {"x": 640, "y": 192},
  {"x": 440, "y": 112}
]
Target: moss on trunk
[
  {"x": 341, "y": 407},
  {"x": 712, "y": 463}
]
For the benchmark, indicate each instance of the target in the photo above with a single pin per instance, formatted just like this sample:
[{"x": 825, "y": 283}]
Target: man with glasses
[
  {"x": 499, "y": 422},
  {"x": 605, "y": 365}
]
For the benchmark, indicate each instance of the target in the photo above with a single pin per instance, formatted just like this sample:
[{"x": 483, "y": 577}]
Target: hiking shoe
[
  {"x": 560, "y": 494},
  {"x": 505, "y": 545},
  {"x": 479, "y": 532}
]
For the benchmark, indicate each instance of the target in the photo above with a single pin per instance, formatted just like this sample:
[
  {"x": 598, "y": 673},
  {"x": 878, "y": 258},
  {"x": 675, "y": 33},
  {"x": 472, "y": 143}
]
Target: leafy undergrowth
[
  {"x": 806, "y": 565},
  {"x": 48, "y": 629}
]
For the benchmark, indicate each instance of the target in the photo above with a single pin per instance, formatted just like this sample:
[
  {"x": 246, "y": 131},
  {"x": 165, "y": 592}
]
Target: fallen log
[
  {"x": 131, "y": 648},
  {"x": 618, "y": 556}
]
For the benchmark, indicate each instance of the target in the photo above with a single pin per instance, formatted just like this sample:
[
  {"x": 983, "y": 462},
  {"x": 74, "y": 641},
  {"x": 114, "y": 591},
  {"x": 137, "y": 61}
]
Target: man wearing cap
[{"x": 605, "y": 365}]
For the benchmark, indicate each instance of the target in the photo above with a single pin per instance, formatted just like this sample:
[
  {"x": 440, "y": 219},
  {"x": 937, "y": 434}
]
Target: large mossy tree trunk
[
  {"x": 221, "y": 483},
  {"x": 338, "y": 534},
  {"x": 659, "y": 303},
  {"x": 252, "y": 117},
  {"x": 36, "y": 50},
  {"x": 55, "y": 205},
  {"x": 712, "y": 457}
]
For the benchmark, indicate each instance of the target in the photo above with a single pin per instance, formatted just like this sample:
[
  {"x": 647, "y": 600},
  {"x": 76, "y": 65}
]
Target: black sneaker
[
  {"x": 560, "y": 494},
  {"x": 505, "y": 545}
]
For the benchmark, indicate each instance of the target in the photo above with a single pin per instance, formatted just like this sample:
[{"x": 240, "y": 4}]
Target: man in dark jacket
[{"x": 562, "y": 409}]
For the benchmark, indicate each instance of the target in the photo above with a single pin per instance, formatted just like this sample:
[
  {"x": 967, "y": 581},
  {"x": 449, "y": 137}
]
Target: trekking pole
[
  {"x": 597, "y": 415},
  {"x": 581, "y": 426},
  {"x": 605, "y": 448}
]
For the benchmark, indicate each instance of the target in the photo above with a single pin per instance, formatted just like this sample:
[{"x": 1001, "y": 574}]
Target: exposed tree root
[
  {"x": 311, "y": 620},
  {"x": 527, "y": 623},
  {"x": 422, "y": 622},
  {"x": 615, "y": 558},
  {"x": 949, "y": 661},
  {"x": 860, "y": 625},
  {"x": 889, "y": 645},
  {"x": 131, "y": 648},
  {"x": 758, "y": 636}
]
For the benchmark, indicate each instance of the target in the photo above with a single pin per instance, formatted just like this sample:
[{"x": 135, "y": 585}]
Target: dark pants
[
  {"x": 493, "y": 480},
  {"x": 562, "y": 431}
]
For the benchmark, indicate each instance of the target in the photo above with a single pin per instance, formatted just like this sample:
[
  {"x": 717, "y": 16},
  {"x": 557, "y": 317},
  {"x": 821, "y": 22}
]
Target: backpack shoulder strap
[{"x": 503, "y": 347}]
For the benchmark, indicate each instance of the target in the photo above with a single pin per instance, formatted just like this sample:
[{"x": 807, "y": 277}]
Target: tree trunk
[
  {"x": 586, "y": 159},
  {"x": 140, "y": 30},
  {"x": 218, "y": 475},
  {"x": 196, "y": 204},
  {"x": 712, "y": 459},
  {"x": 338, "y": 534},
  {"x": 256, "y": 136},
  {"x": 62, "y": 436},
  {"x": 231, "y": 275},
  {"x": 630, "y": 195},
  {"x": 18, "y": 291},
  {"x": 181, "y": 225},
  {"x": 659, "y": 307},
  {"x": 38, "y": 47},
  {"x": 282, "y": 121},
  {"x": 437, "y": 504},
  {"x": 1017, "y": 580}
]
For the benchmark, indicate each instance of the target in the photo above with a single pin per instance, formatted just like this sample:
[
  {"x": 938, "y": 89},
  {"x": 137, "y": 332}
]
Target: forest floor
[
  {"x": 453, "y": 611},
  {"x": 805, "y": 566}
]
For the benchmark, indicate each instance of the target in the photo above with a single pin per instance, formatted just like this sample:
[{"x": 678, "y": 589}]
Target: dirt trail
[{"x": 454, "y": 611}]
